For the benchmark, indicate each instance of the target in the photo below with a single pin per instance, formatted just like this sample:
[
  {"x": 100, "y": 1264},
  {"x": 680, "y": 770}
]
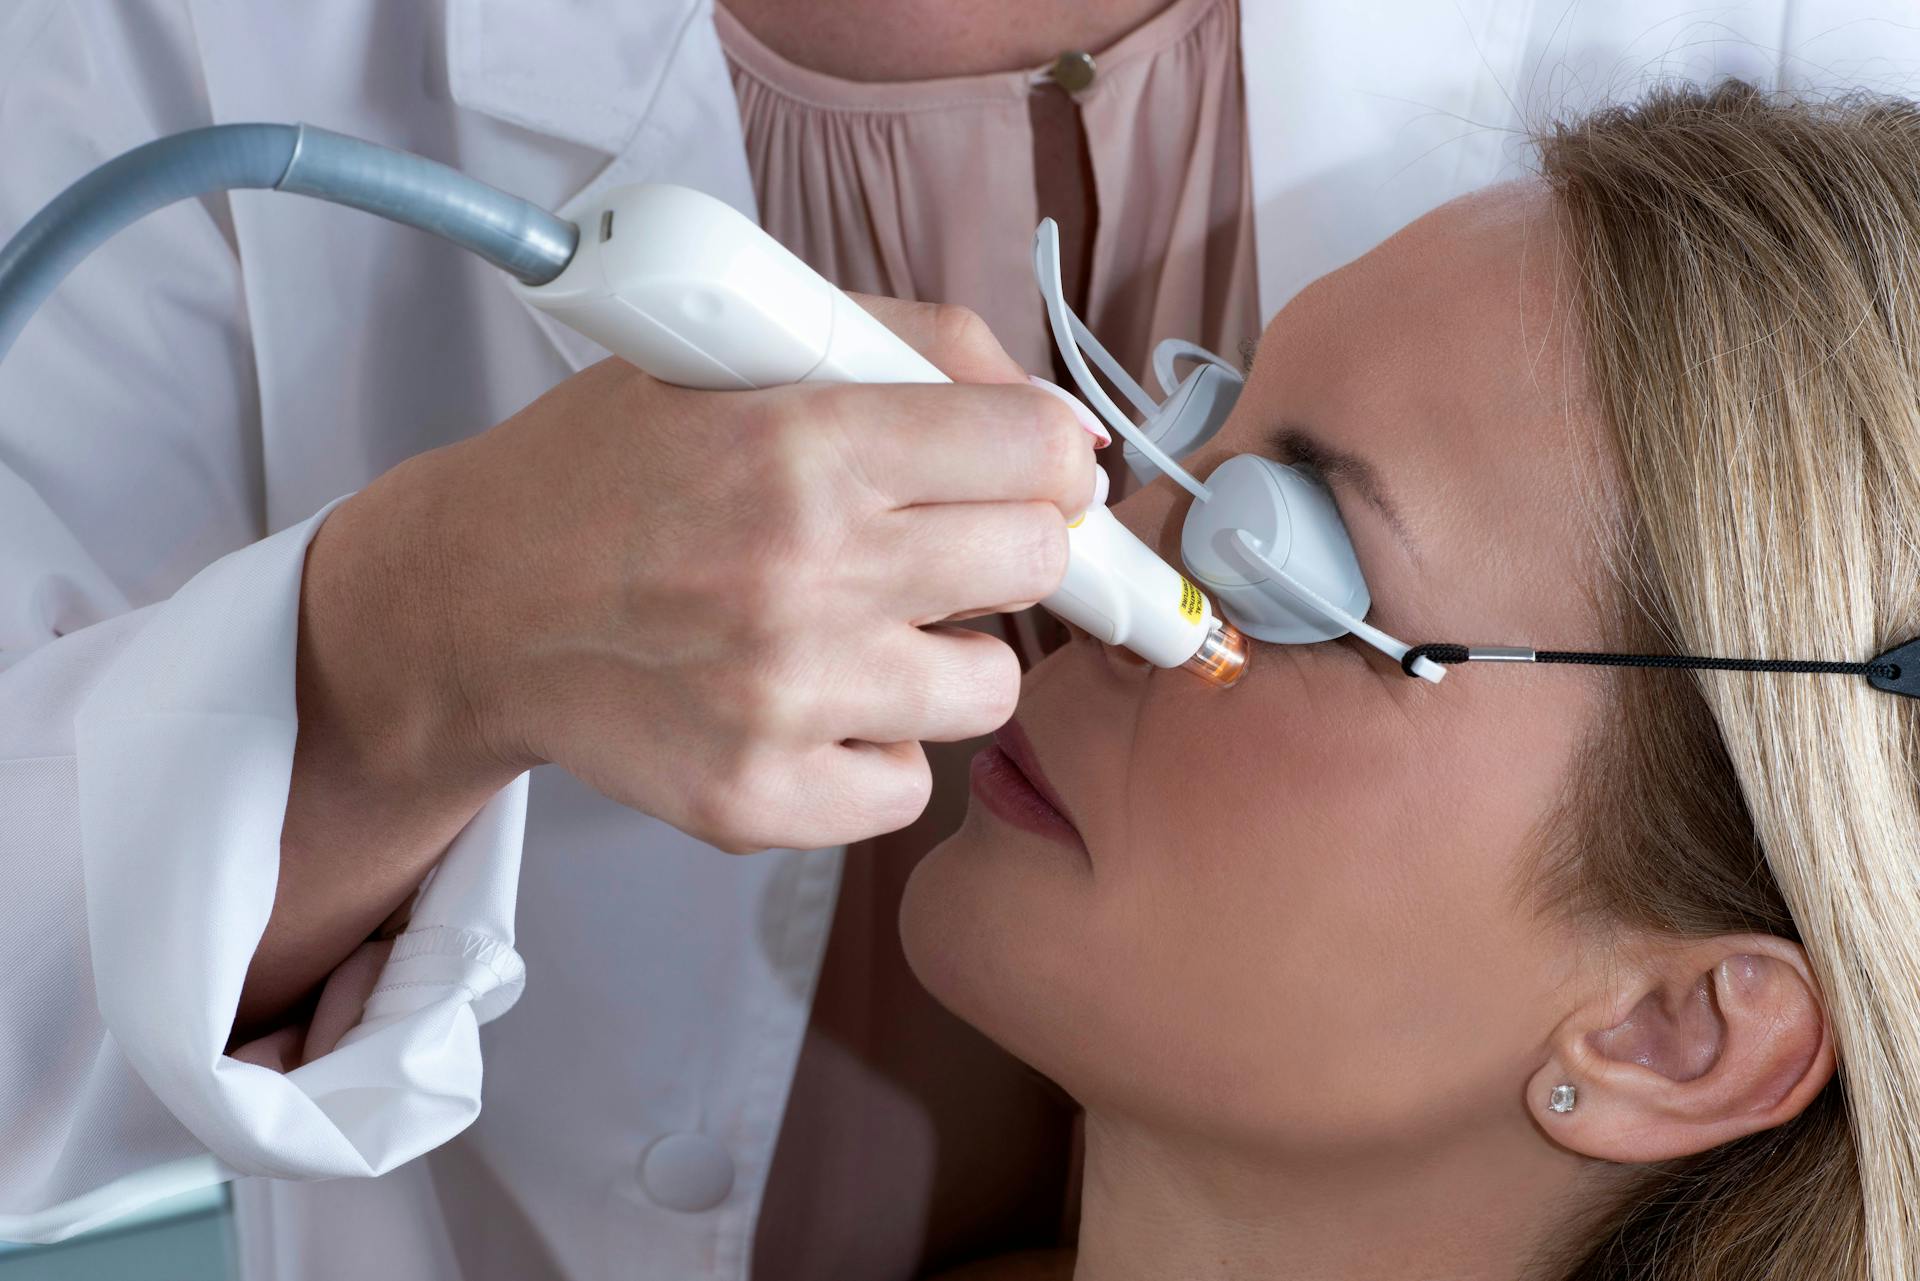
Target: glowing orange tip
[{"x": 1222, "y": 657}]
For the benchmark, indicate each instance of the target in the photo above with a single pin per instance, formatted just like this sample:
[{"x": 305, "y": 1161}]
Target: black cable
[
  {"x": 1881, "y": 669},
  {"x": 1717, "y": 664}
]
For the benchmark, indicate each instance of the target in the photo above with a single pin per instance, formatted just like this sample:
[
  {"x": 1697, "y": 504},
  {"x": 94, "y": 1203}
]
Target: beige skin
[
  {"x": 1294, "y": 982},
  {"x": 880, "y": 40}
]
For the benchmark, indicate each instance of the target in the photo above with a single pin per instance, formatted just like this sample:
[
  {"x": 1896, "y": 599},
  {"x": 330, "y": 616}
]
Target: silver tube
[
  {"x": 1499, "y": 654},
  {"x": 121, "y": 192},
  {"x": 514, "y": 235},
  {"x": 520, "y": 238}
]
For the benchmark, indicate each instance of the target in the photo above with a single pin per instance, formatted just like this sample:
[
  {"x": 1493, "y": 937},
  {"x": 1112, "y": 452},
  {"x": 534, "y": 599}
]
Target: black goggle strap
[{"x": 1897, "y": 671}]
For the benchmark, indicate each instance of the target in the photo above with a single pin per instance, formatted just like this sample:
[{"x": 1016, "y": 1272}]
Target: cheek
[
  {"x": 1299, "y": 924},
  {"x": 1307, "y": 898}
]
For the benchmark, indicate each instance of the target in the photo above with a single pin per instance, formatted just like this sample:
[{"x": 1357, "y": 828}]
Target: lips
[
  {"x": 1013, "y": 740},
  {"x": 1010, "y": 796}
]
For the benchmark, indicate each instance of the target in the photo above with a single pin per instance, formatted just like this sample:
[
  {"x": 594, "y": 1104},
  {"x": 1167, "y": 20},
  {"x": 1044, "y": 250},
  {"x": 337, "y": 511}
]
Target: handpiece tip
[{"x": 1222, "y": 657}]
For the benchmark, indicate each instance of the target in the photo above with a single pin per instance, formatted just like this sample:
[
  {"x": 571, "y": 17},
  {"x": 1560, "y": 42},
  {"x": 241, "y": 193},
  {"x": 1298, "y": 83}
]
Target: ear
[{"x": 1702, "y": 1043}]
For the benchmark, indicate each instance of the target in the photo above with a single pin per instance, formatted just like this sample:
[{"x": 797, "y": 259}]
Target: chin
[
  {"x": 1003, "y": 929},
  {"x": 989, "y": 924},
  {"x": 948, "y": 935}
]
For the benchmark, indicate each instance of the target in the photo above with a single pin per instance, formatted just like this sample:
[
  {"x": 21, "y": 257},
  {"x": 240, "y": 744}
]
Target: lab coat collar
[
  {"x": 587, "y": 73},
  {"x": 642, "y": 80}
]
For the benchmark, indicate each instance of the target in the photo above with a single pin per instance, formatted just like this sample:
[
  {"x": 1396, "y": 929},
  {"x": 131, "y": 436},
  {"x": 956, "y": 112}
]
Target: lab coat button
[{"x": 688, "y": 1172}]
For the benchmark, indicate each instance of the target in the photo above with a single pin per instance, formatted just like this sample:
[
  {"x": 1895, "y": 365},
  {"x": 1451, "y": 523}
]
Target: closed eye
[{"x": 1333, "y": 469}]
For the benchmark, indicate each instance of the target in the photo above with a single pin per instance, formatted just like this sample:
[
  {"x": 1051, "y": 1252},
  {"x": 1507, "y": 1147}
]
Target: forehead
[{"x": 1450, "y": 357}]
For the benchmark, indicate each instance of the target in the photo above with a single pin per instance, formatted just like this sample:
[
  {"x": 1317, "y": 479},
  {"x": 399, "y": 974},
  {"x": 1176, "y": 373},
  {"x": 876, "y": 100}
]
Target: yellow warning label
[{"x": 1192, "y": 603}]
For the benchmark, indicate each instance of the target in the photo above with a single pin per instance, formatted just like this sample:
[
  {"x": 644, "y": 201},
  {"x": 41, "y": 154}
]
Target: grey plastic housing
[
  {"x": 1297, "y": 525},
  {"x": 1187, "y": 419}
]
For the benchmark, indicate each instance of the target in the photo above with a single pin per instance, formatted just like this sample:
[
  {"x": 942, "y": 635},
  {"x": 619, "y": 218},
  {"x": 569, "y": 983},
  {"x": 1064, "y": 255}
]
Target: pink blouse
[{"x": 926, "y": 190}]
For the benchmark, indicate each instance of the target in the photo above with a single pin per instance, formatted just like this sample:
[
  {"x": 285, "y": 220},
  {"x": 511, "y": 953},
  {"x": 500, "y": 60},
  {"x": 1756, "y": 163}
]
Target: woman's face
[{"x": 1299, "y": 916}]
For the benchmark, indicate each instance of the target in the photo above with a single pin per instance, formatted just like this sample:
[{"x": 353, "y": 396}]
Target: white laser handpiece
[
  {"x": 696, "y": 294},
  {"x": 693, "y": 292}
]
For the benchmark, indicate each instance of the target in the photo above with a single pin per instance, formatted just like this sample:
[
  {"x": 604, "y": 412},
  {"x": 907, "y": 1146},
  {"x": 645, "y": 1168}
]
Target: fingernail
[{"x": 1080, "y": 411}]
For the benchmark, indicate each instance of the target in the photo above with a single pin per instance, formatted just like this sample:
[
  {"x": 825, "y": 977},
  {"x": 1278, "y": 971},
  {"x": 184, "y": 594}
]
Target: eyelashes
[{"x": 1311, "y": 470}]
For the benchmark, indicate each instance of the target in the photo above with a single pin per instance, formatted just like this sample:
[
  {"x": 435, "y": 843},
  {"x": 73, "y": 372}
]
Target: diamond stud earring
[{"x": 1561, "y": 1099}]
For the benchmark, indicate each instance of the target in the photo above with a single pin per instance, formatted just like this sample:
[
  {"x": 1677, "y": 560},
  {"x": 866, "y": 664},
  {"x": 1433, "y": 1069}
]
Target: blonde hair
[{"x": 1749, "y": 273}]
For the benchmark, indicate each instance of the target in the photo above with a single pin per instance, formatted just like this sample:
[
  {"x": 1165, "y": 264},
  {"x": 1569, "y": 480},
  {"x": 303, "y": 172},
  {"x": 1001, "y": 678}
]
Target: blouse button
[
  {"x": 1073, "y": 71},
  {"x": 689, "y": 1172}
]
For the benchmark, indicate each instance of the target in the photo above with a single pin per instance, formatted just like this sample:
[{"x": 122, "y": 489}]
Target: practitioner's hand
[{"x": 711, "y": 606}]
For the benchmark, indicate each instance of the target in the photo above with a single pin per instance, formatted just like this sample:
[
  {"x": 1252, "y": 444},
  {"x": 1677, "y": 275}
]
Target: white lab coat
[{"x": 174, "y": 425}]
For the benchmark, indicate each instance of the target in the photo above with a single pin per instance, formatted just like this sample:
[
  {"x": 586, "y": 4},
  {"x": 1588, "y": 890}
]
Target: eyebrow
[{"x": 1294, "y": 446}]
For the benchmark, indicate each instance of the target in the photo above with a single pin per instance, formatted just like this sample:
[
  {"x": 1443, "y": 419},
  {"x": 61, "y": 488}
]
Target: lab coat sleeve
[{"x": 147, "y": 710}]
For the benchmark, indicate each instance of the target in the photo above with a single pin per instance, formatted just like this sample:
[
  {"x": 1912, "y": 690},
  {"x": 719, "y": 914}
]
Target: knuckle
[
  {"x": 762, "y": 600},
  {"x": 916, "y": 699},
  {"x": 757, "y": 801},
  {"x": 908, "y": 789},
  {"x": 796, "y": 438},
  {"x": 975, "y": 686},
  {"x": 996, "y": 677},
  {"x": 960, "y": 330},
  {"x": 789, "y": 441},
  {"x": 831, "y": 436},
  {"x": 1062, "y": 451},
  {"x": 736, "y": 838},
  {"x": 759, "y": 483},
  {"x": 852, "y": 420},
  {"x": 837, "y": 403},
  {"x": 739, "y": 801},
  {"x": 713, "y": 817},
  {"x": 761, "y": 422},
  {"x": 773, "y": 700},
  {"x": 785, "y": 562},
  {"x": 1039, "y": 549}
]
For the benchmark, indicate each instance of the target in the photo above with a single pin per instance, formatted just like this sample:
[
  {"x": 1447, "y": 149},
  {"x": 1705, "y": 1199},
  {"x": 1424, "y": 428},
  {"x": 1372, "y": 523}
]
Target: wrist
[{"x": 380, "y": 701}]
